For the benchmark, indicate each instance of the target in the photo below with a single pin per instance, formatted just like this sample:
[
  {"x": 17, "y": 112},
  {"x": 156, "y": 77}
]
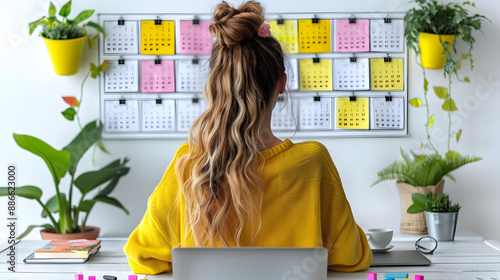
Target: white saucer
[{"x": 383, "y": 249}]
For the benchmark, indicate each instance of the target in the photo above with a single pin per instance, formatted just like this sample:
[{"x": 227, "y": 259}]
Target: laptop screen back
[{"x": 249, "y": 263}]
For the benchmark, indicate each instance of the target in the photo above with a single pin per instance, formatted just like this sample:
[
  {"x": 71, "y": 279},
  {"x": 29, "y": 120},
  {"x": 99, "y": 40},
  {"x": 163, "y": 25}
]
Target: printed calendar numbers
[
  {"x": 352, "y": 114},
  {"x": 157, "y": 38},
  {"x": 287, "y": 34},
  {"x": 121, "y": 116},
  {"x": 315, "y": 37},
  {"x": 352, "y": 37},
  {"x": 120, "y": 39},
  {"x": 386, "y": 76},
  {"x": 195, "y": 38},
  {"x": 157, "y": 77},
  {"x": 188, "y": 110},
  {"x": 121, "y": 77},
  {"x": 351, "y": 75},
  {"x": 283, "y": 117},
  {"x": 191, "y": 77},
  {"x": 387, "y": 114},
  {"x": 315, "y": 76},
  {"x": 387, "y": 36},
  {"x": 315, "y": 114},
  {"x": 158, "y": 115}
]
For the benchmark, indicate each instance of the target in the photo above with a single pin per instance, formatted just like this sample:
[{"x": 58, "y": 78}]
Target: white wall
[{"x": 31, "y": 104}]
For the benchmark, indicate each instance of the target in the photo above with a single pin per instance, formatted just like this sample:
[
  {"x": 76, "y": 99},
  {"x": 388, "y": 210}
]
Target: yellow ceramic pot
[
  {"x": 431, "y": 49},
  {"x": 65, "y": 54}
]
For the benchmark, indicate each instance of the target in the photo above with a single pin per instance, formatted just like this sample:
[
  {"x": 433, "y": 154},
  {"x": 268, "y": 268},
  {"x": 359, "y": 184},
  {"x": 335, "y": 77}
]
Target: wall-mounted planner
[{"x": 346, "y": 74}]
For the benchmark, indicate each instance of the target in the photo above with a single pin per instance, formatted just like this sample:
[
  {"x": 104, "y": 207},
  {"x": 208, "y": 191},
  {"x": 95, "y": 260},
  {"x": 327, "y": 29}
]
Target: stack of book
[{"x": 65, "y": 251}]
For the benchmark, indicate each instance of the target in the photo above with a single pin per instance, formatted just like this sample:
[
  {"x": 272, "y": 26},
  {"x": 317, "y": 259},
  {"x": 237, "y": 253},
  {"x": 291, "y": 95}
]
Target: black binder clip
[
  {"x": 387, "y": 58},
  {"x": 317, "y": 98},
  {"x": 196, "y": 20},
  {"x": 157, "y": 60},
  {"x": 352, "y": 97},
  {"x": 352, "y": 20},
  {"x": 159, "y": 101},
  {"x": 316, "y": 59},
  {"x": 121, "y": 21},
  {"x": 122, "y": 101},
  {"x": 281, "y": 20},
  {"x": 387, "y": 20},
  {"x": 388, "y": 98},
  {"x": 195, "y": 100},
  {"x": 352, "y": 59},
  {"x": 315, "y": 19},
  {"x": 121, "y": 60},
  {"x": 158, "y": 21},
  {"x": 196, "y": 61}
]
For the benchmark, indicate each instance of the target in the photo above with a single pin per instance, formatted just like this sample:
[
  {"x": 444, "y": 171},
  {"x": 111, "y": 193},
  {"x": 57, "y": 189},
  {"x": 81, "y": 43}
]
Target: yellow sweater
[{"x": 304, "y": 205}]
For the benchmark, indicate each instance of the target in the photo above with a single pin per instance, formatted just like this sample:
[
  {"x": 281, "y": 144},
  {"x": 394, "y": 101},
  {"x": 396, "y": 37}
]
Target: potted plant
[
  {"x": 72, "y": 217},
  {"x": 441, "y": 215},
  {"x": 424, "y": 172},
  {"x": 64, "y": 37},
  {"x": 432, "y": 29}
]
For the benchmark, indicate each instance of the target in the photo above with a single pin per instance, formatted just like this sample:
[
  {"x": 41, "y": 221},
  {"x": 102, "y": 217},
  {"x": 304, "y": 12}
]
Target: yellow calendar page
[
  {"x": 352, "y": 114},
  {"x": 316, "y": 76},
  {"x": 286, "y": 34},
  {"x": 315, "y": 37},
  {"x": 386, "y": 75},
  {"x": 157, "y": 38}
]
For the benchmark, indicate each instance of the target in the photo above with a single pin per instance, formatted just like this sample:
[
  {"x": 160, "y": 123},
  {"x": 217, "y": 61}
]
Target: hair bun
[{"x": 232, "y": 26}]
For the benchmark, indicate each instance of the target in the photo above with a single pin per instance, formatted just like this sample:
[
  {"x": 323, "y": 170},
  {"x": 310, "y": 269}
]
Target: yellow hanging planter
[
  {"x": 431, "y": 49},
  {"x": 65, "y": 54}
]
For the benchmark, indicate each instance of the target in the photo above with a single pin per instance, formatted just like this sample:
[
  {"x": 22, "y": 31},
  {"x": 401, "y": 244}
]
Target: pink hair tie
[{"x": 264, "y": 30}]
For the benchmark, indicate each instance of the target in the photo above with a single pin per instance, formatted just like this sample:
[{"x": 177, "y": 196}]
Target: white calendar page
[
  {"x": 191, "y": 76},
  {"x": 315, "y": 114},
  {"x": 158, "y": 115},
  {"x": 121, "y": 116},
  {"x": 122, "y": 77},
  {"x": 387, "y": 114},
  {"x": 284, "y": 116},
  {"x": 292, "y": 73},
  {"x": 187, "y": 111},
  {"x": 121, "y": 39},
  {"x": 351, "y": 76},
  {"x": 387, "y": 36}
]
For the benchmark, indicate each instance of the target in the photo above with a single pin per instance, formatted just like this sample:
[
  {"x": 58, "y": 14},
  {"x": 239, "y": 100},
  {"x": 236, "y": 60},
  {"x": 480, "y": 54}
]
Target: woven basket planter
[{"x": 414, "y": 223}]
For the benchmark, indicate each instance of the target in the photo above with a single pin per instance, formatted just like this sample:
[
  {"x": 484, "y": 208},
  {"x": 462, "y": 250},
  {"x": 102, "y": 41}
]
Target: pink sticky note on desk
[
  {"x": 157, "y": 77},
  {"x": 352, "y": 37},
  {"x": 195, "y": 38}
]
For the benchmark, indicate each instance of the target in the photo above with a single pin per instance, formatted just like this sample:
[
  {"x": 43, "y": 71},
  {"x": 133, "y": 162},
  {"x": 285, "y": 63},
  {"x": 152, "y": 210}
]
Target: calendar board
[{"x": 346, "y": 74}]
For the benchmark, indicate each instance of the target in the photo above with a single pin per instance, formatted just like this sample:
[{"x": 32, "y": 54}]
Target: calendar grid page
[{"x": 329, "y": 56}]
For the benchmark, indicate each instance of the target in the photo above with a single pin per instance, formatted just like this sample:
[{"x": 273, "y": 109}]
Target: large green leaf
[
  {"x": 58, "y": 162},
  {"x": 111, "y": 201},
  {"x": 449, "y": 105},
  {"x": 65, "y": 10},
  {"x": 91, "y": 180},
  {"x": 97, "y": 27},
  {"x": 29, "y": 192},
  {"x": 83, "y": 16},
  {"x": 33, "y": 25},
  {"x": 86, "y": 205},
  {"x": 52, "y": 10},
  {"x": 52, "y": 206},
  {"x": 89, "y": 135},
  {"x": 441, "y": 92}
]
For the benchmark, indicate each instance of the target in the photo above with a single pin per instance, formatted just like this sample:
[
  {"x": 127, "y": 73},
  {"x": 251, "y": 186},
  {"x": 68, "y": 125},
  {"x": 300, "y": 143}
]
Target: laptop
[
  {"x": 399, "y": 258},
  {"x": 249, "y": 263}
]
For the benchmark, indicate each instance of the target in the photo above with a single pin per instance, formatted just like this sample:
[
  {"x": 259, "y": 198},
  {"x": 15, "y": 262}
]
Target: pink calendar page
[
  {"x": 195, "y": 38},
  {"x": 157, "y": 77},
  {"x": 352, "y": 37}
]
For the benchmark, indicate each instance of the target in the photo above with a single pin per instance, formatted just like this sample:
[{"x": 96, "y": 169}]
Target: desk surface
[{"x": 471, "y": 259}]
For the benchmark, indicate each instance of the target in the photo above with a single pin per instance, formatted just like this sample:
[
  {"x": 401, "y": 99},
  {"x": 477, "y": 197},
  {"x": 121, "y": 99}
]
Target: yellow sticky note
[
  {"x": 386, "y": 75},
  {"x": 157, "y": 38},
  {"x": 352, "y": 114},
  {"x": 287, "y": 35},
  {"x": 315, "y": 37},
  {"x": 315, "y": 76}
]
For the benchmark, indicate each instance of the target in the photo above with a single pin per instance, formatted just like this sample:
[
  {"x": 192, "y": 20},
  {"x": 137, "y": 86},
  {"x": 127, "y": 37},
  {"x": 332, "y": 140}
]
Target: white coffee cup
[{"x": 379, "y": 237}]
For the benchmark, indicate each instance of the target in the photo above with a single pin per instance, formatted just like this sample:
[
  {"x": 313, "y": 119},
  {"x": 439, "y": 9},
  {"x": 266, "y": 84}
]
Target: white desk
[{"x": 474, "y": 260}]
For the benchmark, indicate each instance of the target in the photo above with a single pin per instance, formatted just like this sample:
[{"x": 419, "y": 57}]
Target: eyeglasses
[{"x": 426, "y": 245}]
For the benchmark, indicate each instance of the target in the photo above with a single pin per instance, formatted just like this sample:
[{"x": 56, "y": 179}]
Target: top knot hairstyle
[{"x": 220, "y": 176}]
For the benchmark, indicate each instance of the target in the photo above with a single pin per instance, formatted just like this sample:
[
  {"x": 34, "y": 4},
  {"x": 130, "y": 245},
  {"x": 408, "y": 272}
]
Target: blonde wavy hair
[{"x": 220, "y": 176}]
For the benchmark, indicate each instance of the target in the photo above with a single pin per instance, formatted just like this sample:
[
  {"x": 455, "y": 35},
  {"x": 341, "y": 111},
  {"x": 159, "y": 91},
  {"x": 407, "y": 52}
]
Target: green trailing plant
[
  {"x": 63, "y": 28},
  {"x": 431, "y": 166},
  {"x": 432, "y": 203},
  {"x": 72, "y": 217}
]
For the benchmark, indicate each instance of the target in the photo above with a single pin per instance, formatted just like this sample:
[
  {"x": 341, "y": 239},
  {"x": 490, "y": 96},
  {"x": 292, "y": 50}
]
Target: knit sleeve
[
  {"x": 149, "y": 246},
  {"x": 348, "y": 249}
]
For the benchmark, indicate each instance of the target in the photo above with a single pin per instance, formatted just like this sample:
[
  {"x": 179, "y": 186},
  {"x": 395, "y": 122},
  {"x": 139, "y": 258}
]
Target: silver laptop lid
[{"x": 249, "y": 263}]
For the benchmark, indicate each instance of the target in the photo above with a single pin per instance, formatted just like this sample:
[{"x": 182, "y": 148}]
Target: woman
[{"x": 234, "y": 183}]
